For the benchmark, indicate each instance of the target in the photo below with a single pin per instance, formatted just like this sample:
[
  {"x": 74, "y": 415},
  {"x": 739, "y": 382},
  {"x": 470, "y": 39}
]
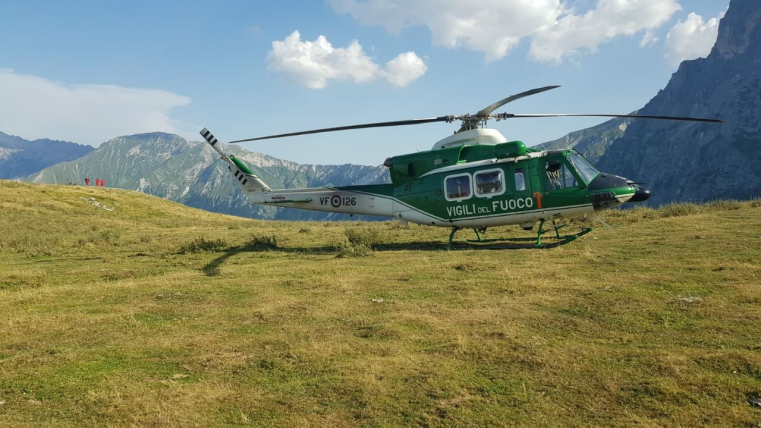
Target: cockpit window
[
  {"x": 586, "y": 170},
  {"x": 559, "y": 176}
]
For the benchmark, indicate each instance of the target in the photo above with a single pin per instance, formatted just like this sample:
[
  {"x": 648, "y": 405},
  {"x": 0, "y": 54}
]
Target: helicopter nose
[
  {"x": 608, "y": 191},
  {"x": 643, "y": 194}
]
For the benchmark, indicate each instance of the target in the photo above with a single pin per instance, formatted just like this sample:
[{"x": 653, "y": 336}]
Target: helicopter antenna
[{"x": 598, "y": 219}]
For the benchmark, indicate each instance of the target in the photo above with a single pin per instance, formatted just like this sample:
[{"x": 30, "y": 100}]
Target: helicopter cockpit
[
  {"x": 564, "y": 172},
  {"x": 586, "y": 170},
  {"x": 606, "y": 190}
]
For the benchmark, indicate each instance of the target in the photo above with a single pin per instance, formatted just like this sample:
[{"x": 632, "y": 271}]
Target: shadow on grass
[{"x": 213, "y": 267}]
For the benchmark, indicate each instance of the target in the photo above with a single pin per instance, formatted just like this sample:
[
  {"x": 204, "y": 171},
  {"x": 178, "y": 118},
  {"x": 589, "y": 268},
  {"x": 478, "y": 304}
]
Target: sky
[{"x": 88, "y": 71}]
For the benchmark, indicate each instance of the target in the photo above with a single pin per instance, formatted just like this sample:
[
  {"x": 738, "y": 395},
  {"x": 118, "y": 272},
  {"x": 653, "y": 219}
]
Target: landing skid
[{"x": 522, "y": 243}]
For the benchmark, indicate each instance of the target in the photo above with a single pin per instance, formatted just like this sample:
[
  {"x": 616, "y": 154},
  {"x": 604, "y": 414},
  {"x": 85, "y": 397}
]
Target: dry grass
[{"x": 105, "y": 323}]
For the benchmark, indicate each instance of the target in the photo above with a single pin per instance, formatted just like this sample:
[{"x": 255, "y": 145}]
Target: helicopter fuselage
[
  {"x": 539, "y": 185},
  {"x": 471, "y": 180}
]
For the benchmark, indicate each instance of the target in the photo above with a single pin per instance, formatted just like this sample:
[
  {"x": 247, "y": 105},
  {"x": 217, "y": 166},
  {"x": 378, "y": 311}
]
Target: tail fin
[{"x": 249, "y": 182}]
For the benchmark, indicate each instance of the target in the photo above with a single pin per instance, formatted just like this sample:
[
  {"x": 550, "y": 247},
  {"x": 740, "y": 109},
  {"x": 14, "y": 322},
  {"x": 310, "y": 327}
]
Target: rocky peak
[
  {"x": 154, "y": 139},
  {"x": 740, "y": 30},
  {"x": 697, "y": 161}
]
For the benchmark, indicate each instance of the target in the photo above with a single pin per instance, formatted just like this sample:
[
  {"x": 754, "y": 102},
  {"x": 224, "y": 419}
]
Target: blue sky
[{"x": 87, "y": 71}]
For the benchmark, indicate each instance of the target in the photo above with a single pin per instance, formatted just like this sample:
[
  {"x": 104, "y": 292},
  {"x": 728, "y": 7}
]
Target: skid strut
[
  {"x": 478, "y": 235},
  {"x": 451, "y": 236},
  {"x": 518, "y": 243}
]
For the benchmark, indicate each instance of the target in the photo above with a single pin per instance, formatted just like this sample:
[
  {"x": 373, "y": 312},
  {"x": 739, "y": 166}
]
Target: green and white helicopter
[{"x": 474, "y": 179}]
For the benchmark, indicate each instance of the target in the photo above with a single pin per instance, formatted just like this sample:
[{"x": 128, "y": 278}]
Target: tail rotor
[{"x": 246, "y": 179}]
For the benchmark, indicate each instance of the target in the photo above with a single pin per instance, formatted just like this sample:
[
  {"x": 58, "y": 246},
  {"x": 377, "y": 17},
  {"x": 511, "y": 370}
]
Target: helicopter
[{"x": 474, "y": 179}]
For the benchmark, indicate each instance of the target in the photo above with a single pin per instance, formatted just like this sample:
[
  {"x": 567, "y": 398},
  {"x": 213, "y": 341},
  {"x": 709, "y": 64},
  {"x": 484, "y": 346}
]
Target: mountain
[
  {"x": 592, "y": 142},
  {"x": 191, "y": 173},
  {"x": 692, "y": 161},
  {"x": 19, "y": 157}
]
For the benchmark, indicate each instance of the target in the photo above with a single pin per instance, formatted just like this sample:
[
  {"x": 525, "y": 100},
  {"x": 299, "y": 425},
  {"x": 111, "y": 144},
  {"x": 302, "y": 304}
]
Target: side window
[
  {"x": 490, "y": 183},
  {"x": 520, "y": 179},
  {"x": 559, "y": 176},
  {"x": 457, "y": 187}
]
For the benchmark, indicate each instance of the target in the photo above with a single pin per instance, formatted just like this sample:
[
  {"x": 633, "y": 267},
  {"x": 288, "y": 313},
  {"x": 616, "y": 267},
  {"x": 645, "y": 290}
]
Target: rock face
[
  {"x": 699, "y": 162},
  {"x": 191, "y": 173},
  {"x": 592, "y": 142},
  {"x": 19, "y": 157},
  {"x": 691, "y": 161}
]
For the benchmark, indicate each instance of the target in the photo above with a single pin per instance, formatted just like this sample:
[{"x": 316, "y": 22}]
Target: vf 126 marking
[{"x": 336, "y": 201}]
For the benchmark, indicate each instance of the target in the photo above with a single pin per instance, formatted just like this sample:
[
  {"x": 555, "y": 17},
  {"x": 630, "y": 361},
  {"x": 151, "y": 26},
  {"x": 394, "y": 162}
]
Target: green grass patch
[{"x": 155, "y": 314}]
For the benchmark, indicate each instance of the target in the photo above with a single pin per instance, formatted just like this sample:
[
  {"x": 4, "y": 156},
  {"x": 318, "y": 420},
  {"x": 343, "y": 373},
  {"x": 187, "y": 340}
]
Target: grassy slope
[{"x": 104, "y": 323}]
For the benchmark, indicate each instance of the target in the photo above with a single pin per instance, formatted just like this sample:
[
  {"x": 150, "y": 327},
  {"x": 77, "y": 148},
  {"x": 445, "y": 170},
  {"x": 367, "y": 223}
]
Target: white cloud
[
  {"x": 404, "y": 69},
  {"x": 573, "y": 34},
  {"x": 495, "y": 27},
  {"x": 648, "y": 39},
  {"x": 313, "y": 64},
  {"x": 691, "y": 38},
  {"x": 33, "y": 107}
]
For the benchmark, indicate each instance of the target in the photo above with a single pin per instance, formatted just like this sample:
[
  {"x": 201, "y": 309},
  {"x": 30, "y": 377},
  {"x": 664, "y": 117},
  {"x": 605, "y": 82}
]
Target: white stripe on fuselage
[{"x": 365, "y": 203}]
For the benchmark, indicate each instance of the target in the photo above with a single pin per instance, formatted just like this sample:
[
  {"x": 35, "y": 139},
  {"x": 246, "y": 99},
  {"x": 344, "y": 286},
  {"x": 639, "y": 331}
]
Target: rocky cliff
[
  {"x": 691, "y": 161},
  {"x": 592, "y": 142},
  {"x": 699, "y": 162}
]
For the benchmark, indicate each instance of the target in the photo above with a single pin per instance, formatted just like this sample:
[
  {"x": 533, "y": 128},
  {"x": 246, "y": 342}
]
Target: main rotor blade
[
  {"x": 634, "y": 116},
  {"x": 487, "y": 111},
  {"x": 361, "y": 126}
]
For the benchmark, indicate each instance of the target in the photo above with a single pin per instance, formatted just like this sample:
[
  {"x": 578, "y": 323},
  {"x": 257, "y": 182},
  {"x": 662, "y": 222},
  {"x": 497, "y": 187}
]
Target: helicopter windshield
[{"x": 586, "y": 170}]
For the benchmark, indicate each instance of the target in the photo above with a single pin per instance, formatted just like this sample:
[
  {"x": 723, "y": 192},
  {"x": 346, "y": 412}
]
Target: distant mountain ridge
[
  {"x": 191, "y": 173},
  {"x": 20, "y": 157},
  {"x": 697, "y": 162},
  {"x": 592, "y": 142}
]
